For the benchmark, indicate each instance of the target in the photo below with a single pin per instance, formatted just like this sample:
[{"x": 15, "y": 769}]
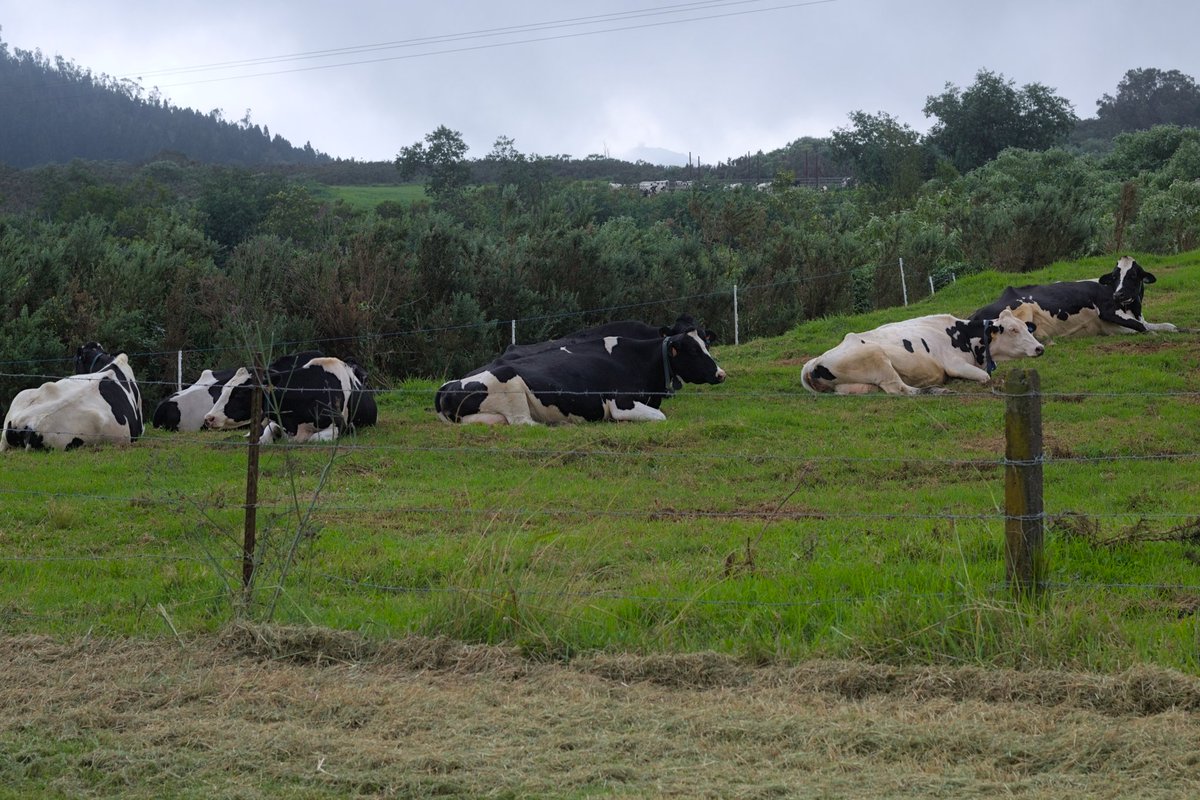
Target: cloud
[{"x": 558, "y": 79}]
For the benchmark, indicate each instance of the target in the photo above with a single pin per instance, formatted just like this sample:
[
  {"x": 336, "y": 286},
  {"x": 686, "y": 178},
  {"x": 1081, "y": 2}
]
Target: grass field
[
  {"x": 758, "y": 520},
  {"x": 368, "y": 197},
  {"x": 758, "y": 528}
]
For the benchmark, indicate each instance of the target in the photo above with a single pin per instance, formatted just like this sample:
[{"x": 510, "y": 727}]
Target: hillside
[
  {"x": 753, "y": 521},
  {"x": 766, "y": 569},
  {"x": 57, "y": 112}
]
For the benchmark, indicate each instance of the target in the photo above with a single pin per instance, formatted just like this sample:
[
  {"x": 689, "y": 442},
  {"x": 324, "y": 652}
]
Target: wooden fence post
[
  {"x": 250, "y": 532},
  {"x": 1024, "y": 515}
]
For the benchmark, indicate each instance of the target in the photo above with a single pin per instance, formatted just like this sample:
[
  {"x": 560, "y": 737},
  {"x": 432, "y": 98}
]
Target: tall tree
[
  {"x": 975, "y": 124},
  {"x": 883, "y": 152},
  {"x": 441, "y": 159},
  {"x": 1149, "y": 97}
]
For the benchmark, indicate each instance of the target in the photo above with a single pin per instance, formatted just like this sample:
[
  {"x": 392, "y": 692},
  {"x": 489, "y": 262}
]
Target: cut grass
[{"x": 267, "y": 712}]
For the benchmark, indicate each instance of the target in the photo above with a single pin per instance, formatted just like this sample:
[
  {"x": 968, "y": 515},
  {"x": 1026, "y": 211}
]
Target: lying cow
[
  {"x": 629, "y": 329},
  {"x": 1109, "y": 304},
  {"x": 605, "y": 377},
  {"x": 185, "y": 410},
  {"x": 99, "y": 404},
  {"x": 308, "y": 396},
  {"x": 920, "y": 354}
]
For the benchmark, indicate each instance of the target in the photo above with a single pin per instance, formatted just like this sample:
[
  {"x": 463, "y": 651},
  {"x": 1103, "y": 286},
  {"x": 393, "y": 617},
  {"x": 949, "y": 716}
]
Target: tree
[
  {"x": 883, "y": 152},
  {"x": 975, "y": 124},
  {"x": 1149, "y": 97},
  {"x": 440, "y": 159}
]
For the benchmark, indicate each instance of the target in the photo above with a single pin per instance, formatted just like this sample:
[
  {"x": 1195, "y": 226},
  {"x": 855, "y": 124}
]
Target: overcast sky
[{"x": 715, "y": 79}]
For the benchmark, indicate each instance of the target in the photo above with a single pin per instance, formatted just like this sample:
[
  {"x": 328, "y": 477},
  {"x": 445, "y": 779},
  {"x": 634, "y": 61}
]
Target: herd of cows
[{"x": 618, "y": 371}]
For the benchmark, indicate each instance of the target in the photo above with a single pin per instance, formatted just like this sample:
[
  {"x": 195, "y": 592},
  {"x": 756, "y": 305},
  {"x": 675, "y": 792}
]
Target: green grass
[
  {"x": 758, "y": 520},
  {"x": 368, "y": 197}
]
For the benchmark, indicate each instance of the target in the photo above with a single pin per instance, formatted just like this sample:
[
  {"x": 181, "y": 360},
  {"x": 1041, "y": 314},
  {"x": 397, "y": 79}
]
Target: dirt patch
[{"x": 286, "y": 712}]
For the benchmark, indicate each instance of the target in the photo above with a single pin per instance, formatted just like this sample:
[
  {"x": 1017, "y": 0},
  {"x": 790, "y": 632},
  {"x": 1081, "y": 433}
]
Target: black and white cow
[
  {"x": 1109, "y": 304},
  {"x": 597, "y": 377},
  {"x": 308, "y": 396},
  {"x": 628, "y": 329},
  {"x": 919, "y": 355},
  {"x": 99, "y": 404},
  {"x": 185, "y": 410}
]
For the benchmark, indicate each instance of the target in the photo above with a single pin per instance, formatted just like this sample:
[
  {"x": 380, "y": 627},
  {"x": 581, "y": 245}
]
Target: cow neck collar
[
  {"x": 988, "y": 363},
  {"x": 668, "y": 373}
]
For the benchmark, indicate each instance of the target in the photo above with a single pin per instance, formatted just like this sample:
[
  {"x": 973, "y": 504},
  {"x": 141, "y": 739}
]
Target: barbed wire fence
[{"x": 256, "y": 574}]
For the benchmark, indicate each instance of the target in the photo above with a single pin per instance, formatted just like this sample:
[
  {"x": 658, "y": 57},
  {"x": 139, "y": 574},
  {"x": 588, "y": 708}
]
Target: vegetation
[
  {"x": 57, "y": 111},
  {"x": 176, "y": 256},
  {"x": 758, "y": 521}
]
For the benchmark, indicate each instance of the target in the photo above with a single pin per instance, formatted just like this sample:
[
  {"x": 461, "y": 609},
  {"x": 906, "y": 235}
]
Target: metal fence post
[
  {"x": 903, "y": 283},
  {"x": 736, "y": 339},
  {"x": 1024, "y": 515}
]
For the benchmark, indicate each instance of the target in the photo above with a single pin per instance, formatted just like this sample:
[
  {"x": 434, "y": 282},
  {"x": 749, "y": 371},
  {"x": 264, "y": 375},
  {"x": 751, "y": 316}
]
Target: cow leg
[
  {"x": 1160, "y": 326},
  {"x": 485, "y": 419},
  {"x": 639, "y": 413},
  {"x": 272, "y": 432},
  {"x": 308, "y": 432},
  {"x": 968, "y": 372},
  {"x": 877, "y": 369},
  {"x": 855, "y": 388}
]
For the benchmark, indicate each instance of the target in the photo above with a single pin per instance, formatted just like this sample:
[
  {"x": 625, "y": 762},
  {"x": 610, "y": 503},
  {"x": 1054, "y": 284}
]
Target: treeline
[
  {"x": 221, "y": 260},
  {"x": 55, "y": 111}
]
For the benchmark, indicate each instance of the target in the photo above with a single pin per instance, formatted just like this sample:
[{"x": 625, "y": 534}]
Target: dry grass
[{"x": 276, "y": 712}]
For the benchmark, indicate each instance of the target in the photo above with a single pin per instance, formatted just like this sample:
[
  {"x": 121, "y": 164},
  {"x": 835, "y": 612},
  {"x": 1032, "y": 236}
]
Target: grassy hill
[
  {"x": 758, "y": 520},
  {"x": 368, "y": 197}
]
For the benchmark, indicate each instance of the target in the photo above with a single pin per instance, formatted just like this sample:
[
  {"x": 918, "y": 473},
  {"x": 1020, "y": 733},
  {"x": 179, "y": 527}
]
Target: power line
[
  {"x": 46, "y": 91},
  {"x": 453, "y": 37},
  {"x": 495, "y": 45}
]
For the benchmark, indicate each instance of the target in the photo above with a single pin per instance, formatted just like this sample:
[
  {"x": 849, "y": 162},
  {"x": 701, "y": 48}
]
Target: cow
[
  {"x": 184, "y": 410},
  {"x": 307, "y": 396},
  {"x": 1106, "y": 305},
  {"x": 629, "y": 329},
  {"x": 604, "y": 377},
  {"x": 99, "y": 404},
  {"x": 919, "y": 355}
]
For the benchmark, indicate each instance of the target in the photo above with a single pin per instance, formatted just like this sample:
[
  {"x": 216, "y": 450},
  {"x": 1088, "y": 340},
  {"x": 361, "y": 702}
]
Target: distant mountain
[
  {"x": 55, "y": 112},
  {"x": 656, "y": 155}
]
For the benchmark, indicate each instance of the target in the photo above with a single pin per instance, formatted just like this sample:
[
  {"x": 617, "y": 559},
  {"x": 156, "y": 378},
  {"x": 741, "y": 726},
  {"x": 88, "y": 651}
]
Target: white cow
[
  {"x": 100, "y": 404},
  {"x": 919, "y": 355}
]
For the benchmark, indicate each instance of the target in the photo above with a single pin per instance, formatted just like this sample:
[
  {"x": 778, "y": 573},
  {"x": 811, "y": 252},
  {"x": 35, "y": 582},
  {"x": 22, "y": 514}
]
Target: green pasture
[
  {"x": 367, "y": 198},
  {"x": 758, "y": 520}
]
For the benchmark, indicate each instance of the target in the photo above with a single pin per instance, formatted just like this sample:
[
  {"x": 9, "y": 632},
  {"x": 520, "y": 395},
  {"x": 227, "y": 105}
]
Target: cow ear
[
  {"x": 1148, "y": 278},
  {"x": 710, "y": 337},
  {"x": 664, "y": 331},
  {"x": 1108, "y": 279},
  {"x": 1031, "y": 327}
]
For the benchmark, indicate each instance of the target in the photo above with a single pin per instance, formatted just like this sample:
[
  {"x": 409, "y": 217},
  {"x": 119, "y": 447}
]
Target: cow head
[
  {"x": 1128, "y": 281},
  {"x": 91, "y": 358},
  {"x": 686, "y": 358},
  {"x": 686, "y": 323},
  {"x": 232, "y": 408},
  {"x": 1007, "y": 337}
]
